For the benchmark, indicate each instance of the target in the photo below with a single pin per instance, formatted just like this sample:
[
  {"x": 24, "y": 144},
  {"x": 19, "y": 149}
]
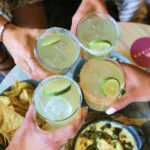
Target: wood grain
[{"x": 129, "y": 32}]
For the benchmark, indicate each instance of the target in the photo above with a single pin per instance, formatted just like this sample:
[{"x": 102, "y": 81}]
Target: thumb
[
  {"x": 31, "y": 115},
  {"x": 73, "y": 29},
  {"x": 125, "y": 100}
]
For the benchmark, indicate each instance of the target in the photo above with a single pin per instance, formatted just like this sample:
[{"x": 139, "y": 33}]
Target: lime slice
[
  {"x": 99, "y": 44},
  {"x": 56, "y": 87},
  {"x": 50, "y": 42},
  {"x": 110, "y": 86}
]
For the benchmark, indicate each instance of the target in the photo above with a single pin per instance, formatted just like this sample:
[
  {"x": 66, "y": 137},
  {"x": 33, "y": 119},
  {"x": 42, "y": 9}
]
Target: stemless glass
[
  {"x": 61, "y": 109},
  {"x": 57, "y": 50},
  {"x": 97, "y": 78},
  {"x": 97, "y": 27}
]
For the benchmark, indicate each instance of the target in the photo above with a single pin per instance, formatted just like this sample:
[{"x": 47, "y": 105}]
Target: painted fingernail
[{"x": 110, "y": 111}]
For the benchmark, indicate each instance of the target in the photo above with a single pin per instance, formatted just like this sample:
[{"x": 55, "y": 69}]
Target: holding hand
[
  {"x": 30, "y": 137},
  {"x": 20, "y": 42},
  {"x": 137, "y": 88},
  {"x": 86, "y": 7}
]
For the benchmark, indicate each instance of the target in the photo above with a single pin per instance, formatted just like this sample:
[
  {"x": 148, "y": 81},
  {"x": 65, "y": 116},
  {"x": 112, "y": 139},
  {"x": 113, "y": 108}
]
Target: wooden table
[{"x": 129, "y": 32}]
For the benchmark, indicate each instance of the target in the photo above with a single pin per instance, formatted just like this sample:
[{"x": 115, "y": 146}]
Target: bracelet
[{"x": 2, "y": 30}]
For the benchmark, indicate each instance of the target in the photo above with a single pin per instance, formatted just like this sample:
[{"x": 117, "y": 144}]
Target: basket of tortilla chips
[{"x": 14, "y": 103}]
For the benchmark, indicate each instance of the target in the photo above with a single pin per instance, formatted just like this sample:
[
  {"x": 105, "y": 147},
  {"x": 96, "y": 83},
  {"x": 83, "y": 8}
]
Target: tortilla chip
[
  {"x": 16, "y": 102},
  {"x": 11, "y": 119},
  {"x": 26, "y": 96},
  {"x": 17, "y": 88},
  {"x": 13, "y": 108},
  {"x": 5, "y": 100}
]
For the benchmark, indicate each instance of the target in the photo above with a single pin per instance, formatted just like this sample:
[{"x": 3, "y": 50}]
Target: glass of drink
[
  {"x": 102, "y": 82},
  {"x": 57, "y": 50},
  {"x": 57, "y": 100},
  {"x": 97, "y": 32}
]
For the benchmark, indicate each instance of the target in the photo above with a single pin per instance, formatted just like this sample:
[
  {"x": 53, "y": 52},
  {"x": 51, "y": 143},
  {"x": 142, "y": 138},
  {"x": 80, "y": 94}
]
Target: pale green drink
[
  {"x": 57, "y": 50},
  {"x": 97, "y": 33},
  {"x": 58, "y": 108},
  {"x": 101, "y": 82}
]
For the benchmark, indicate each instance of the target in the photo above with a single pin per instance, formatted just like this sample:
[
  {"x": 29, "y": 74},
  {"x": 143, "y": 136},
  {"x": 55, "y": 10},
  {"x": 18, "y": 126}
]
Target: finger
[
  {"x": 24, "y": 66},
  {"x": 74, "y": 25},
  {"x": 31, "y": 116},
  {"x": 37, "y": 71},
  {"x": 80, "y": 119},
  {"x": 63, "y": 134},
  {"x": 73, "y": 29},
  {"x": 121, "y": 103}
]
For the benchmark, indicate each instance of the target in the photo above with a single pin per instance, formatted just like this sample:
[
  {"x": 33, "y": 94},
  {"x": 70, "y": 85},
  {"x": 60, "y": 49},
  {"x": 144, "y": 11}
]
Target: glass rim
[
  {"x": 123, "y": 74},
  {"x": 92, "y": 51},
  {"x": 50, "y": 78},
  {"x": 70, "y": 34}
]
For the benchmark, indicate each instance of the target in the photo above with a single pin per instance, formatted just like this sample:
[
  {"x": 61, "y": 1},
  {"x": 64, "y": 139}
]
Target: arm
[
  {"x": 85, "y": 7},
  {"x": 29, "y": 136},
  {"x": 20, "y": 38},
  {"x": 137, "y": 88}
]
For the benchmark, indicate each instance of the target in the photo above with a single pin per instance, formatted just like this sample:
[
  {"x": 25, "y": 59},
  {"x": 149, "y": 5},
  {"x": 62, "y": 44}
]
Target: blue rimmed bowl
[{"x": 136, "y": 133}]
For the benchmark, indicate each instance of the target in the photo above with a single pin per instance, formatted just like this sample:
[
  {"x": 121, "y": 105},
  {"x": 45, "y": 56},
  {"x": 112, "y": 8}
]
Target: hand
[
  {"x": 137, "y": 84},
  {"x": 20, "y": 42},
  {"x": 86, "y": 7},
  {"x": 30, "y": 137}
]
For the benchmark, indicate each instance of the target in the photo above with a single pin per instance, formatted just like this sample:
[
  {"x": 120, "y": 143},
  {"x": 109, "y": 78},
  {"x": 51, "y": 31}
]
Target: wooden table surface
[{"x": 129, "y": 32}]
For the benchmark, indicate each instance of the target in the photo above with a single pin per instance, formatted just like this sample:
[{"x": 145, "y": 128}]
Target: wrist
[{"x": 8, "y": 30}]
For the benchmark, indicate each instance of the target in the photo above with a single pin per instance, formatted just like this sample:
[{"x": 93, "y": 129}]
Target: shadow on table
[{"x": 144, "y": 127}]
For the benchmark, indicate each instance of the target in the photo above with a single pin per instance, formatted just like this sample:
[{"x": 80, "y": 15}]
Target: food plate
[
  {"x": 120, "y": 57},
  {"x": 115, "y": 132},
  {"x": 14, "y": 103}
]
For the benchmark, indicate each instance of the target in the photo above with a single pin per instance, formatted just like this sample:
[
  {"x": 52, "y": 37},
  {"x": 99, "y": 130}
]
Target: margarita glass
[
  {"x": 97, "y": 32},
  {"x": 102, "y": 82},
  {"x": 57, "y": 100},
  {"x": 57, "y": 50}
]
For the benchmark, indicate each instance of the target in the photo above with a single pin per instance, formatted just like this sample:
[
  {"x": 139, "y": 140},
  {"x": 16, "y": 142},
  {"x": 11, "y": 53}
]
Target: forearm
[{"x": 98, "y": 5}]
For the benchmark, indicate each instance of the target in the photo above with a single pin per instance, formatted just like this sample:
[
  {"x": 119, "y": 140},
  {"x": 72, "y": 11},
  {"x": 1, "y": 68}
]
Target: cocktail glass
[
  {"x": 57, "y": 50},
  {"x": 101, "y": 82},
  {"x": 60, "y": 109},
  {"x": 98, "y": 33}
]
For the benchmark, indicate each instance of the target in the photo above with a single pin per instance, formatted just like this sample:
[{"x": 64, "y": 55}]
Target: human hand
[
  {"x": 137, "y": 86},
  {"x": 30, "y": 137},
  {"x": 20, "y": 42},
  {"x": 86, "y": 7}
]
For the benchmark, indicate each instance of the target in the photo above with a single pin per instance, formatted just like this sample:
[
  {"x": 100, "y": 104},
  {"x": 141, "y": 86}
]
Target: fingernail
[{"x": 110, "y": 111}]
